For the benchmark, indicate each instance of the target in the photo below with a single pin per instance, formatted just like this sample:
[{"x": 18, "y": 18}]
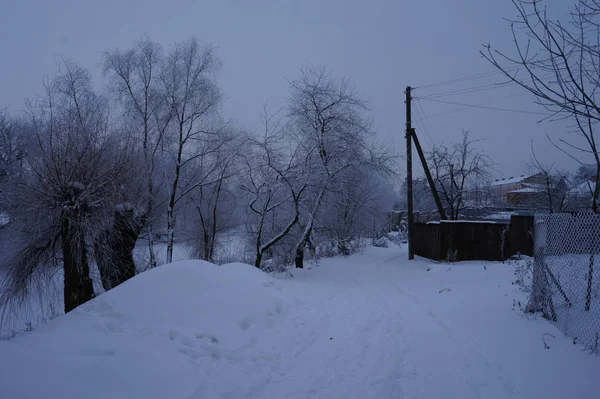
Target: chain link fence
[{"x": 566, "y": 274}]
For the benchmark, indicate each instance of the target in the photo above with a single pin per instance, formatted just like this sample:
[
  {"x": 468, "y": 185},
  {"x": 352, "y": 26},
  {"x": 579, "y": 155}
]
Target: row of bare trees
[{"x": 86, "y": 177}]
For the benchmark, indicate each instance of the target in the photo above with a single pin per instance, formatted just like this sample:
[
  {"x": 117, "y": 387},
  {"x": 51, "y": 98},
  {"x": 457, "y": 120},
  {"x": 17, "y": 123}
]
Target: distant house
[
  {"x": 502, "y": 187},
  {"x": 527, "y": 190}
]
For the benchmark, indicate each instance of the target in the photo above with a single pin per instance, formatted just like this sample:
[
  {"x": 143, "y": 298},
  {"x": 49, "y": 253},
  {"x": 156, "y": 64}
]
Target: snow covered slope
[{"x": 370, "y": 326}]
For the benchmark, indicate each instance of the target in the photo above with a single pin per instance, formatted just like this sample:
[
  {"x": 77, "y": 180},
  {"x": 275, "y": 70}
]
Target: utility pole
[
  {"x": 452, "y": 190},
  {"x": 409, "y": 180},
  {"x": 434, "y": 192}
]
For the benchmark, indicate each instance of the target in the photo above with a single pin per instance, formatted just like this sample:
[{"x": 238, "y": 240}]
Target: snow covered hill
[{"x": 369, "y": 326}]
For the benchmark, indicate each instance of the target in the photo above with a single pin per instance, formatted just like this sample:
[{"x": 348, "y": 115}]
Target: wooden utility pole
[
  {"x": 409, "y": 179},
  {"x": 434, "y": 192}
]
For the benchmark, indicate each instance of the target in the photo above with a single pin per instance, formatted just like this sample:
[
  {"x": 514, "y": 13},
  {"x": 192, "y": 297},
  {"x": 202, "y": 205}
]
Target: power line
[
  {"x": 467, "y": 90},
  {"x": 490, "y": 86},
  {"x": 485, "y": 107},
  {"x": 427, "y": 134},
  {"x": 443, "y": 113},
  {"x": 471, "y": 77},
  {"x": 463, "y": 108},
  {"x": 426, "y": 121}
]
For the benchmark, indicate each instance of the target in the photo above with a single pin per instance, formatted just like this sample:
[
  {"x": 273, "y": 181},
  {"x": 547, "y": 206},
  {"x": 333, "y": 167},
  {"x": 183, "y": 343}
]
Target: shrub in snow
[
  {"x": 380, "y": 242},
  {"x": 523, "y": 273}
]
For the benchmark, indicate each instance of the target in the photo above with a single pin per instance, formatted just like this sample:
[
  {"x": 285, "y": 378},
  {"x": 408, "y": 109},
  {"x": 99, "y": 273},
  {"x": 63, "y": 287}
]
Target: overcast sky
[{"x": 382, "y": 45}]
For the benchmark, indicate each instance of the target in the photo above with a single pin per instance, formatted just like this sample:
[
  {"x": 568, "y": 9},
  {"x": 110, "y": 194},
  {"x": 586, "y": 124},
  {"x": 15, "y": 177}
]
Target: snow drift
[
  {"x": 372, "y": 325},
  {"x": 142, "y": 339}
]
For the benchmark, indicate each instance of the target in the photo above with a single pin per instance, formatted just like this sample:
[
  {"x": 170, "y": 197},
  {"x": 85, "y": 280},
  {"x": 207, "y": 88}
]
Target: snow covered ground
[{"x": 373, "y": 325}]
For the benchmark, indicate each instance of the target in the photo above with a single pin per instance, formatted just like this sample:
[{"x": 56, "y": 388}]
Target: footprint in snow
[
  {"x": 210, "y": 337},
  {"x": 244, "y": 324}
]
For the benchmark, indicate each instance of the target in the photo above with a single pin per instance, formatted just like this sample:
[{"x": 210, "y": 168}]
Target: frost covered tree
[
  {"x": 211, "y": 203},
  {"x": 328, "y": 121},
  {"x": 276, "y": 177},
  {"x": 172, "y": 104},
  {"x": 193, "y": 97},
  {"x": 355, "y": 207},
  {"x": 66, "y": 189},
  {"x": 11, "y": 144},
  {"x": 135, "y": 80},
  {"x": 12, "y": 152},
  {"x": 114, "y": 245}
]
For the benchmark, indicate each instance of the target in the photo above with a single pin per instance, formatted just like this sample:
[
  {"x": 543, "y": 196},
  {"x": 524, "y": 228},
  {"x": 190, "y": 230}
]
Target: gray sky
[{"x": 382, "y": 45}]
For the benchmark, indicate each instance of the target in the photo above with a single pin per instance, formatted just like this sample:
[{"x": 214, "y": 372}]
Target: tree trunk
[
  {"x": 205, "y": 247},
  {"x": 150, "y": 224},
  {"x": 115, "y": 254},
  {"x": 258, "y": 259},
  {"x": 596, "y": 192},
  {"x": 299, "y": 259},
  {"x": 213, "y": 232},
  {"x": 173, "y": 197},
  {"x": 78, "y": 287},
  {"x": 170, "y": 235}
]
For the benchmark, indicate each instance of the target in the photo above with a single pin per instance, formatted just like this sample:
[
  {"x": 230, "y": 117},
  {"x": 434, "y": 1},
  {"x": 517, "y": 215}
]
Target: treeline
[{"x": 87, "y": 175}]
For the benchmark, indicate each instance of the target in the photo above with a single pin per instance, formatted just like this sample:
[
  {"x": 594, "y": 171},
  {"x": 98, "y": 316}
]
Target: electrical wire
[
  {"x": 467, "y": 90},
  {"x": 463, "y": 108},
  {"x": 471, "y": 77},
  {"x": 490, "y": 86},
  {"x": 425, "y": 121},
  {"x": 421, "y": 126},
  {"x": 485, "y": 107}
]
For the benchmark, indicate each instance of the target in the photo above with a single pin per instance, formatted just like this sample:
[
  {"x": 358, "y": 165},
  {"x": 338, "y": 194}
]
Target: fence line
[
  {"x": 473, "y": 239},
  {"x": 566, "y": 274}
]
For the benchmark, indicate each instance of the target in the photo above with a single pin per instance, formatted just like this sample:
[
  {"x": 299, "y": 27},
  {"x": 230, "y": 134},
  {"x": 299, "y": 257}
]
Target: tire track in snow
[
  {"x": 467, "y": 345},
  {"x": 347, "y": 346},
  {"x": 438, "y": 340}
]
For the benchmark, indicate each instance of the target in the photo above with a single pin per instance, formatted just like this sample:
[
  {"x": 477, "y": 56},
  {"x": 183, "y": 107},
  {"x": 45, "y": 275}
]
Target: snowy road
[
  {"x": 375, "y": 339},
  {"x": 370, "y": 326}
]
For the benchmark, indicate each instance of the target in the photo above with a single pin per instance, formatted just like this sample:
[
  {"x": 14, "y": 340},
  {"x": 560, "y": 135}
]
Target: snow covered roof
[
  {"x": 510, "y": 180},
  {"x": 525, "y": 190},
  {"x": 500, "y": 215},
  {"x": 464, "y": 221}
]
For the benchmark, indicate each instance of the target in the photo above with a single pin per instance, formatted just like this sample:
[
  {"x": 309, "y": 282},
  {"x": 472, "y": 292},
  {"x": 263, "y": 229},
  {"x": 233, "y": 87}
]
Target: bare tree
[
  {"x": 213, "y": 203},
  {"x": 114, "y": 246},
  {"x": 582, "y": 193},
  {"x": 455, "y": 169},
  {"x": 193, "y": 96},
  {"x": 354, "y": 207},
  {"x": 135, "y": 79},
  {"x": 552, "y": 193},
  {"x": 11, "y": 143},
  {"x": 12, "y": 153},
  {"x": 328, "y": 122},
  {"x": 558, "y": 63},
  {"x": 66, "y": 189},
  {"x": 276, "y": 177}
]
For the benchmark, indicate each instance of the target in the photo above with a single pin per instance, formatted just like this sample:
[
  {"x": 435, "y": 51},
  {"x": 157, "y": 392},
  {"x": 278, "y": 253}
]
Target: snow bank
[
  {"x": 371, "y": 325},
  {"x": 143, "y": 338}
]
